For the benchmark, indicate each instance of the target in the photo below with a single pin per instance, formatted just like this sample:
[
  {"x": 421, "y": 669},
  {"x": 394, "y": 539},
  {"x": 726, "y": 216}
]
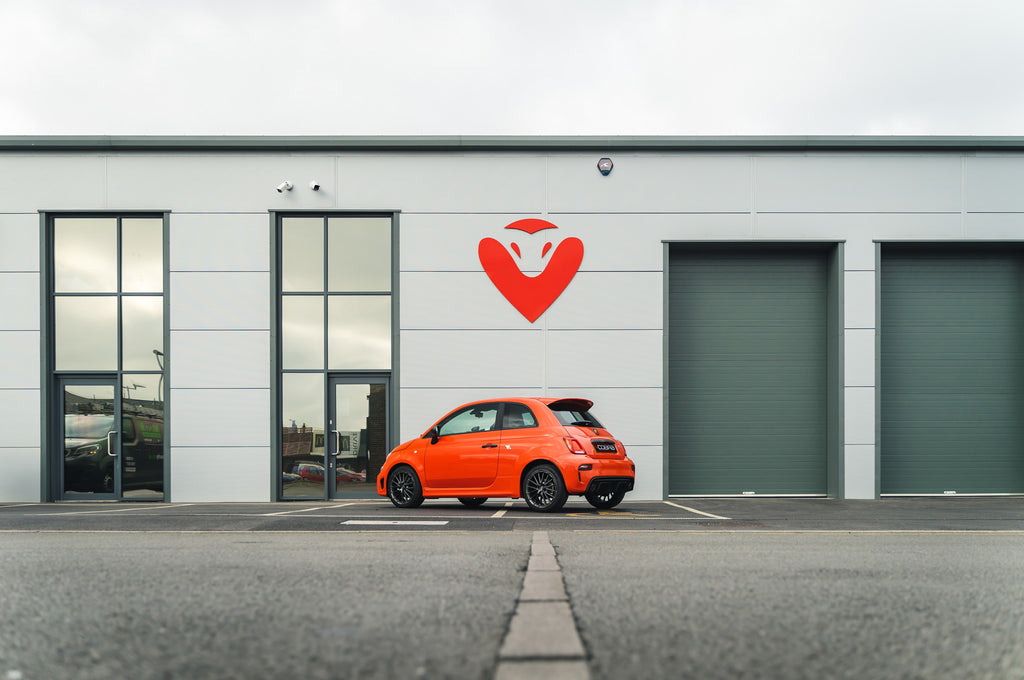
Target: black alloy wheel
[
  {"x": 543, "y": 488},
  {"x": 605, "y": 500},
  {"x": 472, "y": 502},
  {"x": 404, "y": 487}
]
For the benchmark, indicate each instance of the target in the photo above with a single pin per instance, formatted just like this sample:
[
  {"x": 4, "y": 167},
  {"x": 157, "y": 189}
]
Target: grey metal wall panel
[
  {"x": 747, "y": 370},
  {"x": 952, "y": 370}
]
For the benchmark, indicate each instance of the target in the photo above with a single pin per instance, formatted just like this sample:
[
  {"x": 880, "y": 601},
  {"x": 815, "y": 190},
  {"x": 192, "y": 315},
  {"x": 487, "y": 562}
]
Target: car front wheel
[
  {"x": 543, "y": 488},
  {"x": 404, "y": 488}
]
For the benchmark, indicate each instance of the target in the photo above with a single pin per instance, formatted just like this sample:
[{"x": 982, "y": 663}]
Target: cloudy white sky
[{"x": 512, "y": 67}]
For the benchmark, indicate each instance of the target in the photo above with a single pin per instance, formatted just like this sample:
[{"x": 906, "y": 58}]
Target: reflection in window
[
  {"x": 302, "y": 331},
  {"x": 359, "y": 332},
  {"x": 85, "y": 255},
  {"x": 302, "y": 435},
  {"x": 359, "y": 254},
  {"x": 85, "y": 330},
  {"x": 479, "y": 418},
  {"x": 302, "y": 254},
  {"x": 142, "y": 332},
  {"x": 142, "y": 255},
  {"x": 142, "y": 435}
]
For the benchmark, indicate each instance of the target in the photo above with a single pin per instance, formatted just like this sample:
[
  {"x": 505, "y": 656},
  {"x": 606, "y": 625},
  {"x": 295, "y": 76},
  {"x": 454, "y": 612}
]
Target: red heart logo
[{"x": 531, "y": 295}]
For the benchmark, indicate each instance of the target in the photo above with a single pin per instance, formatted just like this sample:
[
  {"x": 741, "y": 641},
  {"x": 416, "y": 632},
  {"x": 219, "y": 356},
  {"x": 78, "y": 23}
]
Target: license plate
[{"x": 605, "y": 447}]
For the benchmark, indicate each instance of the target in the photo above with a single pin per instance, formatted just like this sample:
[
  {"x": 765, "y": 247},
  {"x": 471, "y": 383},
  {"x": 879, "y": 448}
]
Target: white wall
[{"x": 459, "y": 338}]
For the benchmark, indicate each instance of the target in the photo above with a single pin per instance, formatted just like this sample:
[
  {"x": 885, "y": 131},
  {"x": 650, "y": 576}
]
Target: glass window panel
[
  {"x": 302, "y": 435},
  {"x": 142, "y": 332},
  {"x": 302, "y": 331},
  {"x": 85, "y": 333},
  {"x": 359, "y": 254},
  {"x": 142, "y": 255},
  {"x": 85, "y": 255},
  {"x": 302, "y": 254},
  {"x": 359, "y": 332},
  {"x": 142, "y": 435}
]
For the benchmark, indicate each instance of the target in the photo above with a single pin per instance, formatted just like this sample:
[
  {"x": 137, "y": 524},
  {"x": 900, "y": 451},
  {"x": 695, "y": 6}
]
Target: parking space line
[
  {"x": 501, "y": 513},
  {"x": 696, "y": 512},
  {"x": 393, "y": 523},
  {"x": 295, "y": 512},
  {"x": 101, "y": 512}
]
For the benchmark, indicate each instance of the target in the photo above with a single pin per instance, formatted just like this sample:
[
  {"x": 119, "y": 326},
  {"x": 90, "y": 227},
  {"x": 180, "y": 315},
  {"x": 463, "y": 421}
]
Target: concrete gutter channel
[{"x": 542, "y": 640}]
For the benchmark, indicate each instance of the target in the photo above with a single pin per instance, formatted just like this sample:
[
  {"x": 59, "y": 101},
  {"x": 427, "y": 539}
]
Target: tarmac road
[{"x": 911, "y": 588}]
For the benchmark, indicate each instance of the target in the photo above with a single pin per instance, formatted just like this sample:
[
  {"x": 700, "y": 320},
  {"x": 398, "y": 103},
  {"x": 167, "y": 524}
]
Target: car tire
[
  {"x": 404, "y": 487},
  {"x": 605, "y": 501},
  {"x": 472, "y": 502},
  {"x": 543, "y": 488}
]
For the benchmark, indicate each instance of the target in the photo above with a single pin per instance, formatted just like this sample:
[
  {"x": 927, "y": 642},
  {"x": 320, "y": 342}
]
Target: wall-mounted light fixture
[
  {"x": 284, "y": 186},
  {"x": 605, "y": 166}
]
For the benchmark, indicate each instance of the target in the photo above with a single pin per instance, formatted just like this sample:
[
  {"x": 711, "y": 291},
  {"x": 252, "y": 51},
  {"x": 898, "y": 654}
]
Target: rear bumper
[
  {"x": 606, "y": 485},
  {"x": 619, "y": 473}
]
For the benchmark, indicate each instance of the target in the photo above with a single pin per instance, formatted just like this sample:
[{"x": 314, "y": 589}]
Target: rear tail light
[{"x": 574, "y": 446}]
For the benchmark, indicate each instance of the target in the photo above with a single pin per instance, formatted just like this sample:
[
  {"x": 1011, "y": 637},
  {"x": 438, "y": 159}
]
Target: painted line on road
[
  {"x": 101, "y": 512},
  {"x": 696, "y": 512},
  {"x": 542, "y": 638},
  {"x": 394, "y": 523},
  {"x": 294, "y": 512},
  {"x": 501, "y": 513}
]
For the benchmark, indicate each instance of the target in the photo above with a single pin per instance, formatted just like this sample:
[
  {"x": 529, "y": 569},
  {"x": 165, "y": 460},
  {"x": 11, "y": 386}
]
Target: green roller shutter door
[
  {"x": 952, "y": 403},
  {"x": 747, "y": 370}
]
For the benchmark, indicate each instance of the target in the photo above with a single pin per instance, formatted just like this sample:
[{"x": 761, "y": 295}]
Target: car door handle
[{"x": 489, "y": 446}]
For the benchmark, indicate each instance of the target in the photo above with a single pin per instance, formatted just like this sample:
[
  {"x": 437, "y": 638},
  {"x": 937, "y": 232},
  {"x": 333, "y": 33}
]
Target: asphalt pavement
[{"x": 686, "y": 588}]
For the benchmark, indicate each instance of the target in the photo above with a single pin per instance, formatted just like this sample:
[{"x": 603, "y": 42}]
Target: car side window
[
  {"x": 518, "y": 417},
  {"x": 478, "y": 418}
]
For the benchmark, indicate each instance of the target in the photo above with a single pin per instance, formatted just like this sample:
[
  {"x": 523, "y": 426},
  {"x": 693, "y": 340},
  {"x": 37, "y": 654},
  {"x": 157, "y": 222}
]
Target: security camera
[
  {"x": 284, "y": 186},
  {"x": 315, "y": 186}
]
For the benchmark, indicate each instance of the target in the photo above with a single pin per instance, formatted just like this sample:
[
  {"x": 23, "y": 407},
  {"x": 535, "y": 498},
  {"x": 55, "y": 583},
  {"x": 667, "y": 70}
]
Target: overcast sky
[{"x": 512, "y": 67}]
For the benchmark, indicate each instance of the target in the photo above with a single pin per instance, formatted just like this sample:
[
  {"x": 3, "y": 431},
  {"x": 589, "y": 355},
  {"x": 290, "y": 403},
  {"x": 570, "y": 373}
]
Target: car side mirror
[{"x": 434, "y": 435}]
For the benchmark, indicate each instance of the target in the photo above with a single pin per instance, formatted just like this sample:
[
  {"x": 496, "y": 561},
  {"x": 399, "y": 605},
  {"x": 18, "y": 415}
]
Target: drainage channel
[{"x": 542, "y": 639}]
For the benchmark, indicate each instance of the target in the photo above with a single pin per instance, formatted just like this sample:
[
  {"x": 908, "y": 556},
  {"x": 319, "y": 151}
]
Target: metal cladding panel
[
  {"x": 747, "y": 370},
  {"x": 210, "y": 242},
  {"x": 632, "y": 414},
  {"x": 952, "y": 370},
  {"x": 604, "y": 358},
  {"x": 220, "y": 359},
  {"x": 650, "y": 183},
  {"x": 52, "y": 182},
  {"x": 19, "y": 418},
  {"x": 220, "y": 417},
  {"x": 20, "y": 481},
  {"x": 19, "y": 301},
  {"x": 470, "y": 359},
  {"x": 19, "y": 361},
  {"x": 220, "y": 300},
  {"x": 992, "y": 183},
  {"x": 199, "y": 476},
  {"x": 457, "y": 183},
  {"x": 858, "y": 183},
  {"x": 455, "y": 300},
  {"x": 19, "y": 242},
  {"x": 202, "y": 182},
  {"x": 609, "y": 301}
]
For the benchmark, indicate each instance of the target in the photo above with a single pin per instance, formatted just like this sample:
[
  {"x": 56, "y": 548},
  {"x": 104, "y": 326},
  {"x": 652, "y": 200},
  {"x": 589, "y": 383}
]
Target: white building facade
[{"x": 838, "y": 317}]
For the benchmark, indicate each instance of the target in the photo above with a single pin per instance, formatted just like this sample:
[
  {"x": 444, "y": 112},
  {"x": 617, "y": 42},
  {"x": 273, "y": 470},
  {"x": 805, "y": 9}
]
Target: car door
[{"x": 465, "y": 455}]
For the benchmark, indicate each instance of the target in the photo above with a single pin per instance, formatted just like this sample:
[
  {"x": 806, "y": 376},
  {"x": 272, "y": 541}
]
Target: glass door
[
  {"x": 357, "y": 433},
  {"x": 91, "y": 433}
]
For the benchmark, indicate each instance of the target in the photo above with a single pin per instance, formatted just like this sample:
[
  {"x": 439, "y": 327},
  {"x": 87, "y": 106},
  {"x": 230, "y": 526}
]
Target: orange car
[{"x": 541, "y": 450}]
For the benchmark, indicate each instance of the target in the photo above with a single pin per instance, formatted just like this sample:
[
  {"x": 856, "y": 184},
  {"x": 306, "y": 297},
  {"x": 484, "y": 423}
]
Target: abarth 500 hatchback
[{"x": 541, "y": 450}]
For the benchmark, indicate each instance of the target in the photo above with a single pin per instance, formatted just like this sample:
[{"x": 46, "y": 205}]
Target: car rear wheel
[
  {"x": 404, "y": 488},
  {"x": 543, "y": 488},
  {"x": 472, "y": 502},
  {"x": 605, "y": 500}
]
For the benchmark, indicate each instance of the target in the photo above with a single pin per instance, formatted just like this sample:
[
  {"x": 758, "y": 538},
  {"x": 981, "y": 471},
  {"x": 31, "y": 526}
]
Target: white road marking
[
  {"x": 293, "y": 512},
  {"x": 395, "y": 522},
  {"x": 100, "y": 512},
  {"x": 696, "y": 512},
  {"x": 501, "y": 513}
]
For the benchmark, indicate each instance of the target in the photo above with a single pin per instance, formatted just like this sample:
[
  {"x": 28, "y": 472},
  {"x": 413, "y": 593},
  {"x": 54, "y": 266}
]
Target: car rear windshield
[{"x": 578, "y": 418}]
